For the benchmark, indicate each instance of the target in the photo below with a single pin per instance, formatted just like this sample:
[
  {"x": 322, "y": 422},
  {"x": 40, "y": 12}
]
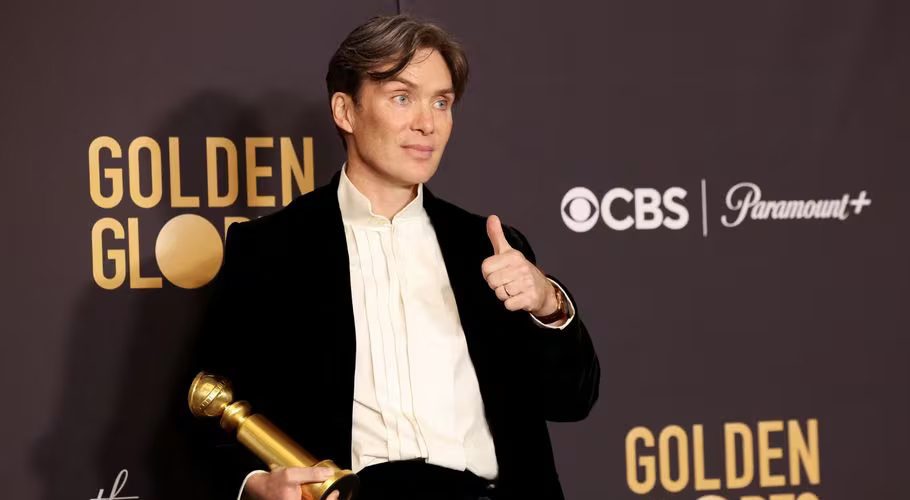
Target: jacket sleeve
[{"x": 568, "y": 368}]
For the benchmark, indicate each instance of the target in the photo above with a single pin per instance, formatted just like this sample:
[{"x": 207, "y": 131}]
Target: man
[{"x": 387, "y": 329}]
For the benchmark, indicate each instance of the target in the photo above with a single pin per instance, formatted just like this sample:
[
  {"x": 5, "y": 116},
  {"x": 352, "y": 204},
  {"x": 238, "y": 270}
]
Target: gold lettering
[
  {"x": 254, "y": 171},
  {"x": 766, "y": 454},
  {"x": 633, "y": 461},
  {"x": 682, "y": 447},
  {"x": 136, "y": 278},
  {"x": 702, "y": 483},
  {"x": 154, "y": 150},
  {"x": 212, "y": 145},
  {"x": 290, "y": 167},
  {"x": 178, "y": 200},
  {"x": 731, "y": 431},
  {"x": 118, "y": 256},
  {"x": 114, "y": 174},
  {"x": 802, "y": 452}
]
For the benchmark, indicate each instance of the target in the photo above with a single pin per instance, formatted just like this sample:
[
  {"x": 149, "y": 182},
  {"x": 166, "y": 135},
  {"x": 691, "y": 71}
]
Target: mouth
[{"x": 420, "y": 151}]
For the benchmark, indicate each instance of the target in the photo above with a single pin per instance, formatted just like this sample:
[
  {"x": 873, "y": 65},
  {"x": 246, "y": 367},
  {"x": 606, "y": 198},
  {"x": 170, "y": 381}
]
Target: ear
[{"x": 343, "y": 111}]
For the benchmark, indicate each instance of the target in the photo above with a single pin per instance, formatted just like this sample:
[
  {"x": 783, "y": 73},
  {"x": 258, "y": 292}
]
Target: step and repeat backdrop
[{"x": 722, "y": 185}]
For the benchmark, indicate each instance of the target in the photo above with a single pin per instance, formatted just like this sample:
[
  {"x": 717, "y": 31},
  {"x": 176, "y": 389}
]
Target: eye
[
  {"x": 400, "y": 99},
  {"x": 441, "y": 104}
]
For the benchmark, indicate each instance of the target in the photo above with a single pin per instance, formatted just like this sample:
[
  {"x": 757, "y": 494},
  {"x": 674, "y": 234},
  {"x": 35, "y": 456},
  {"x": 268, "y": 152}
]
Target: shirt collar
[{"x": 357, "y": 209}]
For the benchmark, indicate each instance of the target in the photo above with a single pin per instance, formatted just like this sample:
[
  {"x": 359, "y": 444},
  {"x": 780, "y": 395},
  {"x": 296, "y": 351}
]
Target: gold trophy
[{"x": 211, "y": 396}]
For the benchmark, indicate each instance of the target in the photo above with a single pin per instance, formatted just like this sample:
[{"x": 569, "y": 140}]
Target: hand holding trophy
[
  {"x": 212, "y": 396},
  {"x": 284, "y": 483}
]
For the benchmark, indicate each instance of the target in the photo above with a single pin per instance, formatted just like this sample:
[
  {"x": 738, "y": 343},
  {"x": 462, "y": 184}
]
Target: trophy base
[{"x": 344, "y": 481}]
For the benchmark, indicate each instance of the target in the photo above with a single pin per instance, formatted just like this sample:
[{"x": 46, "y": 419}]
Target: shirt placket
[
  {"x": 385, "y": 373},
  {"x": 404, "y": 337}
]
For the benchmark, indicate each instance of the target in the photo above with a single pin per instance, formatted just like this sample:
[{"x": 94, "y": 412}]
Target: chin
[{"x": 419, "y": 172}]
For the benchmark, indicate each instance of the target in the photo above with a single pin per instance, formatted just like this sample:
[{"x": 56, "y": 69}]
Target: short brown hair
[{"x": 391, "y": 40}]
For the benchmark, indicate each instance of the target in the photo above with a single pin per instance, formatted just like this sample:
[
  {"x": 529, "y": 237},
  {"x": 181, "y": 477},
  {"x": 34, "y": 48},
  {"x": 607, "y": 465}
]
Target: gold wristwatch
[{"x": 561, "y": 311}]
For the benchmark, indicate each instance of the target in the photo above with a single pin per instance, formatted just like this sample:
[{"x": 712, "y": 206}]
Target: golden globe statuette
[{"x": 212, "y": 396}]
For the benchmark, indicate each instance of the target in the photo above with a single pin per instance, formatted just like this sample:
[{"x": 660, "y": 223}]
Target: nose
[{"x": 424, "y": 121}]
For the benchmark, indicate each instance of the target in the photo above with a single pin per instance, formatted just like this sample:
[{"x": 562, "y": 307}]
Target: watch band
[{"x": 560, "y": 312}]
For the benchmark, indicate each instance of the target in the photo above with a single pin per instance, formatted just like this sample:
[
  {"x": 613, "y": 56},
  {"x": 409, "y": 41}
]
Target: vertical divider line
[{"x": 704, "y": 209}]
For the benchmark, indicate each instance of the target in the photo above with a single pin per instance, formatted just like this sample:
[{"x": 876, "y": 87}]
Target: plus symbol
[{"x": 860, "y": 202}]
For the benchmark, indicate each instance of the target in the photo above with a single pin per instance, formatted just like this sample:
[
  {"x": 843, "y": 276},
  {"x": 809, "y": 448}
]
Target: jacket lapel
[
  {"x": 327, "y": 271},
  {"x": 462, "y": 240},
  {"x": 461, "y": 250},
  {"x": 336, "y": 271}
]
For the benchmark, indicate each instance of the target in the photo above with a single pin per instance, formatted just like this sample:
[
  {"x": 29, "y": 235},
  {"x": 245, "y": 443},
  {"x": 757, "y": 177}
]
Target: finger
[
  {"x": 333, "y": 496},
  {"x": 514, "y": 289},
  {"x": 502, "y": 277},
  {"x": 520, "y": 273},
  {"x": 497, "y": 237},
  {"x": 517, "y": 302},
  {"x": 301, "y": 475},
  {"x": 520, "y": 286},
  {"x": 494, "y": 263}
]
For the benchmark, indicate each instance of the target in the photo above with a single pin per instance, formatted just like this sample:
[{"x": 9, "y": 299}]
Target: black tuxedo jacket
[{"x": 281, "y": 327}]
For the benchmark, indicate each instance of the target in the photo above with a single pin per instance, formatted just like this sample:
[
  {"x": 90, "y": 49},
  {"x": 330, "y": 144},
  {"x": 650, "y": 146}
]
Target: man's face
[{"x": 400, "y": 127}]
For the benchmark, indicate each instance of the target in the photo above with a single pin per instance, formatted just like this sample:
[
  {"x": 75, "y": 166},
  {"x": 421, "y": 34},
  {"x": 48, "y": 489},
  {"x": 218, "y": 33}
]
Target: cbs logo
[{"x": 642, "y": 208}]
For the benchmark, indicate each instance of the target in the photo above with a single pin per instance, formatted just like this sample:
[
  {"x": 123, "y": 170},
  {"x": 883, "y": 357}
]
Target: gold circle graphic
[{"x": 189, "y": 251}]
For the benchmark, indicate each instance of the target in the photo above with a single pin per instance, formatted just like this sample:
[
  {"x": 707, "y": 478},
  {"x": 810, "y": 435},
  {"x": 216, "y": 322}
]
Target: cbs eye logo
[
  {"x": 580, "y": 209},
  {"x": 650, "y": 209}
]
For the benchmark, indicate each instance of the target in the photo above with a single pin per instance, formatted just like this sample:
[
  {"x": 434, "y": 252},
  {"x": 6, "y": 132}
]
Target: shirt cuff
[
  {"x": 569, "y": 306},
  {"x": 247, "y": 478}
]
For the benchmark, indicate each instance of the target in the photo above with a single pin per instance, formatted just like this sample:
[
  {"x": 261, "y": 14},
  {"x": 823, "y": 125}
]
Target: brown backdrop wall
[{"x": 700, "y": 323}]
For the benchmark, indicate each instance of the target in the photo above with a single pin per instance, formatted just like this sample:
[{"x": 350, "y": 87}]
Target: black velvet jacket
[{"x": 281, "y": 327}]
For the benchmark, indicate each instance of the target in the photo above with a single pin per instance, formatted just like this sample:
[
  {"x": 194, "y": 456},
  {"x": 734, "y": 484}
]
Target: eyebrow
[{"x": 412, "y": 85}]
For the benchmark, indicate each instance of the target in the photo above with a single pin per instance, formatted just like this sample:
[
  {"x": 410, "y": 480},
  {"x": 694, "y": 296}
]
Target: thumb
[{"x": 497, "y": 238}]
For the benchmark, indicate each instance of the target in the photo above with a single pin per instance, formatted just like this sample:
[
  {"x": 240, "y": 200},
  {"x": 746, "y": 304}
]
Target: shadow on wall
[{"x": 128, "y": 363}]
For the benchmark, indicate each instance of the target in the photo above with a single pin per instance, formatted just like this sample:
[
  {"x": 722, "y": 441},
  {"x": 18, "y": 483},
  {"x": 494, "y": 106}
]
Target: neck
[{"x": 386, "y": 196}]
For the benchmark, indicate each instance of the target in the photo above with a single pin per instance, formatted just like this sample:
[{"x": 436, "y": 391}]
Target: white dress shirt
[{"x": 416, "y": 394}]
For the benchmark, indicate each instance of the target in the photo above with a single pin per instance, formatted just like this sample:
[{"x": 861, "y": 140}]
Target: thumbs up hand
[
  {"x": 497, "y": 237},
  {"x": 516, "y": 281}
]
